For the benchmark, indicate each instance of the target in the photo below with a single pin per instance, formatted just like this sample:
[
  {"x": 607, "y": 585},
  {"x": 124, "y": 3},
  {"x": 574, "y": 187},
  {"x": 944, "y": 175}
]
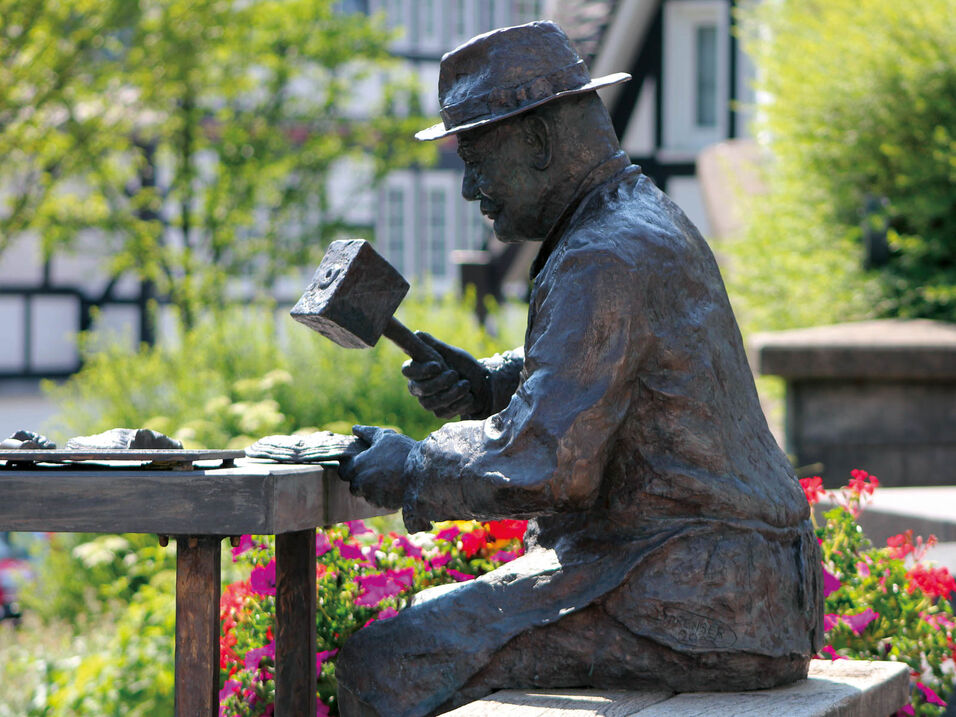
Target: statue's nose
[{"x": 469, "y": 186}]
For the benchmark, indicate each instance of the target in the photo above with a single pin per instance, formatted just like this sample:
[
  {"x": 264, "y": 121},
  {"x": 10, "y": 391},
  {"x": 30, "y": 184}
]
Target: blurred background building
[{"x": 690, "y": 89}]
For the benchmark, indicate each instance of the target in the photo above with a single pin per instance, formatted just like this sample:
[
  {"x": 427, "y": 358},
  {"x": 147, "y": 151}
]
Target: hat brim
[{"x": 437, "y": 131}]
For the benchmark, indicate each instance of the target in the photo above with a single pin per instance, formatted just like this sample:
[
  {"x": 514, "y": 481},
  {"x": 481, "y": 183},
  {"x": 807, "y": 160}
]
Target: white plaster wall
[
  {"x": 54, "y": 323},
  {"x": 639, "y": 138},
  {"x": 686, "y": 192},
  {"x": 21, "y": 263},
  {"x": 11, "y": 329}
]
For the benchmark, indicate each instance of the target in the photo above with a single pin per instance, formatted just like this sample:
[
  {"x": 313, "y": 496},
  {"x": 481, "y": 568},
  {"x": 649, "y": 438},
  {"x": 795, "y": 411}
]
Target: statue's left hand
[{"x": 377, "y": 473}]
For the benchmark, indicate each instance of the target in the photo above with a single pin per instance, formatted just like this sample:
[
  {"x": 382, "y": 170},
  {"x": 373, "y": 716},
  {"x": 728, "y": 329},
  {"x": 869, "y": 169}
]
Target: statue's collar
[{"x": 595, "y": 178}]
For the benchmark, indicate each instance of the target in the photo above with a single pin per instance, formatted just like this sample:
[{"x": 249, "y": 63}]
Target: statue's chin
[{"x": 509, "y": 235}]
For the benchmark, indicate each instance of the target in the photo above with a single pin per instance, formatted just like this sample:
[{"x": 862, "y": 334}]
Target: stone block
[
  {"x": 878, "y": 395},
  {"x": 844, "y": 688}
]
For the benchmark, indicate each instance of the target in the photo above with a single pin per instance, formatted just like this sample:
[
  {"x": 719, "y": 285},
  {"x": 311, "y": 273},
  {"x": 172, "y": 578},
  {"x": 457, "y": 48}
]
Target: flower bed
[
  {"x": 362, "y": 576},
  {"x": 884, "y": 603}
]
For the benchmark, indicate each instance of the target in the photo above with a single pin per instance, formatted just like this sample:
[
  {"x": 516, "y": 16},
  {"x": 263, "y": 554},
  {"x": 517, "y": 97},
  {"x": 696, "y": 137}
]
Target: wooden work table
[{"x": 200, "y": 503}]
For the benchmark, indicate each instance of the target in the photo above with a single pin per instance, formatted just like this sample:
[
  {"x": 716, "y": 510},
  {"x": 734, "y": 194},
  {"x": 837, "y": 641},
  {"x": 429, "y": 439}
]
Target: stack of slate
[{"x": 318, "y": 446}]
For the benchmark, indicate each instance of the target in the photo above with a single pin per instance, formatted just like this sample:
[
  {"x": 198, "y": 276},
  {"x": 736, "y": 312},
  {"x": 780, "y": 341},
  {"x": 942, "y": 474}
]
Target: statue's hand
[
  {"x": 376, "y": 473},
  {"x": 458, "y": 388}
]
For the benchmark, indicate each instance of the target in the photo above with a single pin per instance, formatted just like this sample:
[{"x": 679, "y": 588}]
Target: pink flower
[
  {"x": 321, "y": 709},
  {"x": 504, "y": 556},
  {"x": 321, "y": 658},
  {"x": 245, "y": 543},
  {"x": 862, "y": 568},
  {"x": 460, "y": 577},
  {"x": 448, "y": 534},
  {"x": 830, "y": 621},
  {"x": 387, "y": 613},
  {"x": 402, "y": 541},
  {"x": 358, "y": 527},
  {"x": 254, "y": 657},
  {"x": 350, "y": 552},
  {"x": 859, "y": 622},
  {"x": 322, "y": 544},
  {"x": 376, "y": 588},
  {"x": 440, "y": 560},
  {"x": 906, "y": 711},
  {"x": 830, "y": 583},
  {"x": 930, "y": 696},
  {"x": 228, "y": 690},
  {"x": 263, "y": 579}
]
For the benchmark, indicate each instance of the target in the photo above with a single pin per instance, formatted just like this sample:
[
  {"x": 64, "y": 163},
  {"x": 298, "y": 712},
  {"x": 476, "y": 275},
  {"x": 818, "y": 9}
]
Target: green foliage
[
  {"x": 860, "y": 107},
  {"x": 82, "y": 576},
  {"x": 244, "y": 373},
  {"x": 126, "y": 673},
  {"x": 193, "y": 140}
]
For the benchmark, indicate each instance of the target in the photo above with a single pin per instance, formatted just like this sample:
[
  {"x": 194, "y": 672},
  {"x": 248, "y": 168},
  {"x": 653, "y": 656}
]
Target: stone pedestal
[{"x": 877, "y": 395}]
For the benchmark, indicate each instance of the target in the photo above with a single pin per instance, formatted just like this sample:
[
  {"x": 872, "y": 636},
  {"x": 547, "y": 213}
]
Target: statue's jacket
[{"x": 635, "y": 442}]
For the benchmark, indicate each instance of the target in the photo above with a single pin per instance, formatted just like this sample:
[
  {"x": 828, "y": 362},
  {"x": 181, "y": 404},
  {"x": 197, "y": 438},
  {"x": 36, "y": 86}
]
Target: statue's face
[{"x": 499, "y": 174}]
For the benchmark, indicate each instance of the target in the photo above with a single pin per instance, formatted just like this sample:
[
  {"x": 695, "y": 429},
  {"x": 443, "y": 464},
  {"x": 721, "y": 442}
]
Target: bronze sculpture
[{"x": 670, "y": 545}]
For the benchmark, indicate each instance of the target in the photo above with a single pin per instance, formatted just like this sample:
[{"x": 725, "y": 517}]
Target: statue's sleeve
[
  {"x": 504, "y": 375},
  {"x": 546, "y": 450}
]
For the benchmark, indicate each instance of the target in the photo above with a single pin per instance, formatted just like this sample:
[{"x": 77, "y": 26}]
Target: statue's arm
[{"x": 544, "y": 452}]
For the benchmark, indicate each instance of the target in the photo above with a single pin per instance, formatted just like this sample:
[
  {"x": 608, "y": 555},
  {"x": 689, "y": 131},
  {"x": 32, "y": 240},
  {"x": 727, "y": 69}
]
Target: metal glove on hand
[{"x": 460, "y": 387}]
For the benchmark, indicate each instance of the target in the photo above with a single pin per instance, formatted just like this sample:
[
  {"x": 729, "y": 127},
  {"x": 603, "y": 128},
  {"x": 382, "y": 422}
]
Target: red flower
[
  {"x": 472, "y": 542},
  {"x": 859, "y": 485},
  {"x": 900, "y": 545},
  {"x": 506, "y": 529},
  {"x": 813, "y": 489},
  {"x": 934, "y": 582}
]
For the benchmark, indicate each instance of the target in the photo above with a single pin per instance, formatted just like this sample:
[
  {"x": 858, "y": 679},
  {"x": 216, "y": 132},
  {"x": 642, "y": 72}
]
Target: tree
[
  {"x": 195, "y": 137},
  {"x": 860, "y": 119}
]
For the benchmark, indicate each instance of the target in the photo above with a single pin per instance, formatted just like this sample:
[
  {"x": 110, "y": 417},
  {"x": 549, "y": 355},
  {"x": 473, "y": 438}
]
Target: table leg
[
  {"x": 197, "y": 625},
  {"x": 295, "y": 623}
]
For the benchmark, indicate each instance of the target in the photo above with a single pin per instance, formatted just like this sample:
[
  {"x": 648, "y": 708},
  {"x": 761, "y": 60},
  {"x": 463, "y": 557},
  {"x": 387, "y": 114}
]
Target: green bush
[
  {"x": 243, "y": 373},
  {"x": 81, "y": 576},
  {"x": 124, "y": 670},
  {"x": 861, "y": 108}
]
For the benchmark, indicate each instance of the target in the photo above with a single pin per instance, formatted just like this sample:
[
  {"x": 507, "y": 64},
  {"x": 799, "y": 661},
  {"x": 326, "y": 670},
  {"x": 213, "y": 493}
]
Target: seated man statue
[{"x": 669, "y": 544}]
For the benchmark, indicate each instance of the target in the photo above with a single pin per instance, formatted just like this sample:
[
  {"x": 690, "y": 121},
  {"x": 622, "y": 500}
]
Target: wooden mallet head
[{"x": 353, "y": 297}]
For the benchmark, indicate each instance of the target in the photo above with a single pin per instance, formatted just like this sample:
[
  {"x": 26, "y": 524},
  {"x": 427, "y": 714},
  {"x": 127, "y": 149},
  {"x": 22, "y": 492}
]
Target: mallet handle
[{"x": 410, "y": 343}]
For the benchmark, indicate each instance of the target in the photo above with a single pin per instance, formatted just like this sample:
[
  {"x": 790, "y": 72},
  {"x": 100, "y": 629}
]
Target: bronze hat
[{"x": 508, "y": 71}]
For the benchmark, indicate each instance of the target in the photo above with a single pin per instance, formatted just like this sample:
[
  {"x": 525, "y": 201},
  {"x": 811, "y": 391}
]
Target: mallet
[{"x": 352, "y": 300}]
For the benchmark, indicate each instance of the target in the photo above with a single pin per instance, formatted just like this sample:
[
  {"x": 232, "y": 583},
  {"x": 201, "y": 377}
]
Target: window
[
  {"x": 696, "y": 81},
  {"x": 706, "y": 90},
  {"x": 431, "y": 34},
  {"x": 436, "y": 233},
  {"x": 395, "y": 228},
  {"x": 459, "y": 21}
]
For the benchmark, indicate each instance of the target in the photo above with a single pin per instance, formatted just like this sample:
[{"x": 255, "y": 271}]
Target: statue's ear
[{"x": 537, "y": 135}]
